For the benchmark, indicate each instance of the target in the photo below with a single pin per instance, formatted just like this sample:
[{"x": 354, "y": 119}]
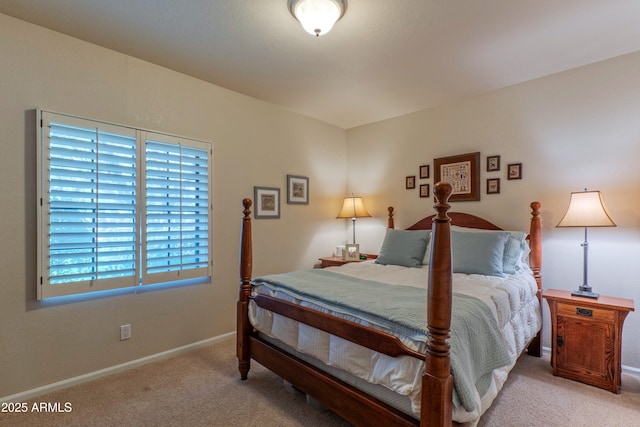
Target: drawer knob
[{"x": 584, "y": 312}]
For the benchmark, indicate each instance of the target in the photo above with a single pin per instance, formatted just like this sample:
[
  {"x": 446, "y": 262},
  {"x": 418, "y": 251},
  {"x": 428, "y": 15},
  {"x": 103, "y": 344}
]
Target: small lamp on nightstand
[
  {"x": 353, "y": 207},
  {"x": 586, "y": 209}
]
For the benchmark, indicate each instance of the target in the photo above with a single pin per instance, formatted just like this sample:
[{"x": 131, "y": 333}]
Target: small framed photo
[
  {"x": 297, "y": 190},
  {"x": 267, "y": 202},
  {"x": 493, "y": 186},
  {"x": 410, "y": 182},
  {"x": 493, "y": 163},
  {"x": 424, "y": 190},
  {"x": 424, "y": 171},
  {"x": 514, "y": 171},
  {"x": 351, "y": 252}
]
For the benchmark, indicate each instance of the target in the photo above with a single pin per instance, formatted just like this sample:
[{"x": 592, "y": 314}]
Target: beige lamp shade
[
  {"x": 353, "y": 207},
  {"x": 586, "y": 209}
]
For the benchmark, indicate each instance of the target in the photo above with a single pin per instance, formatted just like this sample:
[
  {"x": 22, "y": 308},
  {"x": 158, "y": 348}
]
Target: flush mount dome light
[{"x": 317, "y": 16}]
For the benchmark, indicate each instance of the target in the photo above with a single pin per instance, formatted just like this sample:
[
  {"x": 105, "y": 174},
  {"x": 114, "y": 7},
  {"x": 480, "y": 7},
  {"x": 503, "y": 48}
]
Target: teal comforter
[{"x": 477, "y": 346}]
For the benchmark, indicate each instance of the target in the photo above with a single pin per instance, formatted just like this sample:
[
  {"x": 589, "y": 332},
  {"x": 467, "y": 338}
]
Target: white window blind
[
  {"x": 176, "y": 226},
  {"x": 91, "y": 201}
]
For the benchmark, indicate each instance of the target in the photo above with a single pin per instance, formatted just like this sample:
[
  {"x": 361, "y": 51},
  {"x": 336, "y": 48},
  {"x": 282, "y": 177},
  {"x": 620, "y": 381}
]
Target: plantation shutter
[
  {"x": 119, "y": 207},
  {"x": 176, "y": 226},
  {"x": 89, "y": 206}
]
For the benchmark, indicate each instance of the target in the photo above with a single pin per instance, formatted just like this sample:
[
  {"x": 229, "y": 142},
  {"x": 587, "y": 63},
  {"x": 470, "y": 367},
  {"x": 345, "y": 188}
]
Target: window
[{"x": 119, "y": 207}]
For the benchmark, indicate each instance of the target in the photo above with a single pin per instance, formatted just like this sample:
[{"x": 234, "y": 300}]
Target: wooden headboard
[{"x": 459, "y": 219}]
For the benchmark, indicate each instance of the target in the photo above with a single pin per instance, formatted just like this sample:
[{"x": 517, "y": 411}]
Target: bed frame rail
[
  {"x": 350, "y": 403},
  {"x": 351, "y": 331}
]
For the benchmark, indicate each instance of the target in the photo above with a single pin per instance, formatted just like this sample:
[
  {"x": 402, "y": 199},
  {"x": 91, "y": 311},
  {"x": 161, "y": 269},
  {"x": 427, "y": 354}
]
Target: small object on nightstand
[
  {"x": 586, "y": 337},
  {"x": 352, "y": 252}
]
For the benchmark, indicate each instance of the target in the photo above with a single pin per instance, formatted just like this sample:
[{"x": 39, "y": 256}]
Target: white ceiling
[{"x": 384, "y": 58}]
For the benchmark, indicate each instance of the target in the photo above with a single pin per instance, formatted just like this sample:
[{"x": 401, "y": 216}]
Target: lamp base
[{"x": 585, "y": 292}]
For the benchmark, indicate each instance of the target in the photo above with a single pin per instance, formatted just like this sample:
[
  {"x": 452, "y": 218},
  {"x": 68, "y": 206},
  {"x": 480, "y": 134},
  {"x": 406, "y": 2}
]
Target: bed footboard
[{"x": 437, "y": 382}]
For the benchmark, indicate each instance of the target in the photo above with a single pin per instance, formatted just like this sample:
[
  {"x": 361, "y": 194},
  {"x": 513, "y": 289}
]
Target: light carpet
[{"x": 202, "y": 388}]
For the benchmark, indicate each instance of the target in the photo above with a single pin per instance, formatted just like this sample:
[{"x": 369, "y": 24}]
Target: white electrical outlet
[{"x": 125, "y": 332}]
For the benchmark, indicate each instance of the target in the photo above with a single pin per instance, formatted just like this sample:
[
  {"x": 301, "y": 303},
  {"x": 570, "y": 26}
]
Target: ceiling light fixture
[{"x": 317, "y": 16}]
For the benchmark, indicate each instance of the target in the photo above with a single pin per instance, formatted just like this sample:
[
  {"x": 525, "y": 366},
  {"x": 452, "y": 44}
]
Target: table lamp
[
  {"x": 353, "y": 207},
  {"x": 586, "y": 209}
]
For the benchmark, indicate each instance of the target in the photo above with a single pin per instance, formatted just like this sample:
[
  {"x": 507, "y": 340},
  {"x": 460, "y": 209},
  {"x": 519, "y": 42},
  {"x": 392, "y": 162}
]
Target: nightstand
[
  {"x": 336, "y": 261},
  {"x": 586, "y": 337}
]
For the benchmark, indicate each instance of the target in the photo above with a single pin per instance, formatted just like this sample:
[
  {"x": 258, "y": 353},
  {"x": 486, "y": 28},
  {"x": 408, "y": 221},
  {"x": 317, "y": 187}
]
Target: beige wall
[
  {"x": 572, "y": 130},
  {"x": 254, "y": 144}
]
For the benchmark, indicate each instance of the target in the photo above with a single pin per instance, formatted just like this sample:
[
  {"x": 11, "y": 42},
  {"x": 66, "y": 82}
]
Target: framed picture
[
  {"x": 267, "y": 202},
  {"x": 493, "y": 163},
  {"x": 514, "y": 171},
  {"x": 352, "y": 252},
  {"x": 297, "y": 190},
  {"x": 463, "y": 173},
  {"x": 493, "y": 186},
  {"x": 424, "y": 171},
  {"x": 424, "y": 190},
  {"x": 410, "y": 182}
]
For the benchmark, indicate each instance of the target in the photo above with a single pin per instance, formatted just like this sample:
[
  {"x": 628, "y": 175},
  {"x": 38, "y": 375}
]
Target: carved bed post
[
  {"x": 243, "y": 325},
  {"x": 390, "y": 217},
  {"x": 535, "y": 237},
  {"x": 535, "y": 262},
  {"x": 437, "y": 383}
]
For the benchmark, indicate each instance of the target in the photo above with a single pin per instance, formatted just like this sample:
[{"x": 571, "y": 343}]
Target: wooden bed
[{"x": 352, "y": 404}]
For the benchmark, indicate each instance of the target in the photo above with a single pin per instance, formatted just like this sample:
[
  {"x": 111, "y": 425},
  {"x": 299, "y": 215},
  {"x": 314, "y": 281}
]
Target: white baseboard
[
  {"x": 29, "y": 394},
  {"x": 631, "y": 371}
]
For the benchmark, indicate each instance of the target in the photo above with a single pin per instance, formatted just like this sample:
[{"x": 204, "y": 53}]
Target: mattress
[{"x": 511, "y": 300}]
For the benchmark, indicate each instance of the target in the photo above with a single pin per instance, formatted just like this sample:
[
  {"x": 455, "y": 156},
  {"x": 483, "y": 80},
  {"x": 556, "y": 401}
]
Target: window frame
[{"x": 45, "y": 289}]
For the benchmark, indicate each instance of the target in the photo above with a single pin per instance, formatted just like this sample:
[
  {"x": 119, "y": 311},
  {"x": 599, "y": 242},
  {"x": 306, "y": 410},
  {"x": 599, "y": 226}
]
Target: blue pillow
[
  {"x": 478, "y": 253},
  {"x": 403, "y": 247},
  {"x": 514, "y": 248}
]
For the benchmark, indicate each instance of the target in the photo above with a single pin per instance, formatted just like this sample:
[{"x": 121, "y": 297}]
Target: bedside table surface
[
  {"x": 602, "y": 301},
  {"x": 339, "y": 258},
  {"x": 336, "y": 261}
]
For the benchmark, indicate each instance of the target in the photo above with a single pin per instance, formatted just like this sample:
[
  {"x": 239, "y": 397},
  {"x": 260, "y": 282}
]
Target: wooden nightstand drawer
[
  {"x": 586, "y": 337},
  {"x": 585, "y": 312}
]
